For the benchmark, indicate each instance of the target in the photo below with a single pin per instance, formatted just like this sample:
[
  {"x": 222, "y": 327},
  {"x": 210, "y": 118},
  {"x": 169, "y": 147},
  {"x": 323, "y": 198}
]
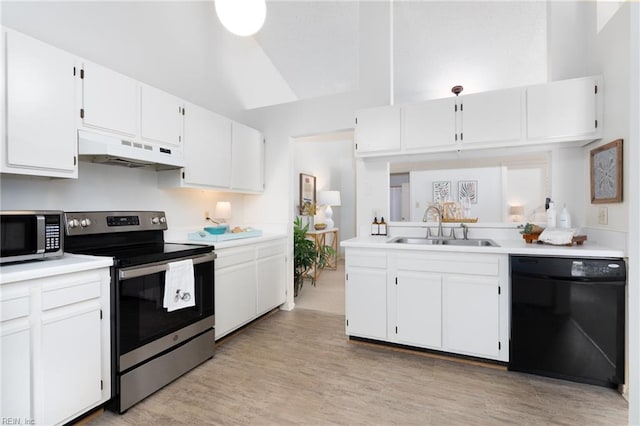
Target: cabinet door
[
  {"x": 15, "y": 352},
  {"x": 471, "y": 315},
  {"x": 492, "y": 117},
  {"x": 160, "y": 116},
  {"x": 271, "y": 282},
  {"x": 40, "y": 122},
  {"x": 378, "y": 130},
  {"x": 419, "y": 309},
  {"x": 235, "y": 297},
  {"x": 207, "y": 148},
  {"x": 109, "y": 100},
  {"x": 429, "y": 125},
  {"x": 71, "y": 361},
  {"x": 247, "y": 158},
  {"x": 563, "y": 109},
  {"x": 366, "y": 303}
]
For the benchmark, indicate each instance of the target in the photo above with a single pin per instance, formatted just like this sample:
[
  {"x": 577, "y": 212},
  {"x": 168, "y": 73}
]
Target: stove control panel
[{"x": 85, "y": 223}]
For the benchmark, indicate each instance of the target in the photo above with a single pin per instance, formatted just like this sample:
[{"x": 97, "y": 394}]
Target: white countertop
[
  {"x": 69, "y": 263},
  {"x": 232, "y": 243},
  {"x": 587, "y": 249}
]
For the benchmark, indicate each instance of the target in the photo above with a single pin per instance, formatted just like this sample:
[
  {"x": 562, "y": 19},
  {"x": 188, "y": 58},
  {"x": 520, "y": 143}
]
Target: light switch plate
[{"x": 603, "y": 216}]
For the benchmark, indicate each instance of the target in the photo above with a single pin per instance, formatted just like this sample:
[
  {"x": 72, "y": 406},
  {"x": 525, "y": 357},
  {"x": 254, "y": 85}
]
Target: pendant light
[{"x": 242, "y": 17}]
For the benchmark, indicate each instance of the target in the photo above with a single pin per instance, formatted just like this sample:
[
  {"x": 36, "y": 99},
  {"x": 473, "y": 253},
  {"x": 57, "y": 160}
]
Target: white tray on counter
[{"x": 203, "y": 236}]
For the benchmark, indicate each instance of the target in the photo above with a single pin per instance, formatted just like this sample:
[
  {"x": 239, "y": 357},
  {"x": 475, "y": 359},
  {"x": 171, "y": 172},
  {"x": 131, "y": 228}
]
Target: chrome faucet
[{"x": 424, "y": 219}]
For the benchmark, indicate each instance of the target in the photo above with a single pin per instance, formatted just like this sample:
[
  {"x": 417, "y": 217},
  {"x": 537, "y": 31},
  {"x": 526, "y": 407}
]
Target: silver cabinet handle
[{"x": 154, "y": 268}]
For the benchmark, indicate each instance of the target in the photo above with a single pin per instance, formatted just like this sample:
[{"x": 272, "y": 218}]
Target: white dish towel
[
  {"x": 179, "y": 285},
  {"x": 557, "y": 236}
]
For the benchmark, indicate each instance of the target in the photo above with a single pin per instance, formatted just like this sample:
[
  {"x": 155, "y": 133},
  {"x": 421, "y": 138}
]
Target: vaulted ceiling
[{"x": 306, "y": 49}]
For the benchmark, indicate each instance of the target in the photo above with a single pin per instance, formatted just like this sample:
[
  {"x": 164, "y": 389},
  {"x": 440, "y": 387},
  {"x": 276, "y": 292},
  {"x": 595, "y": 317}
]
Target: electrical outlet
[
  {"x": 417, "y": 204},
  {"x": 206, "y": 214},
  {"x": 603, "y": 216}
]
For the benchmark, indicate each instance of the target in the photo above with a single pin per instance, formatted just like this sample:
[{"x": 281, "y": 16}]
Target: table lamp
[{"x": 328, "y": 199}]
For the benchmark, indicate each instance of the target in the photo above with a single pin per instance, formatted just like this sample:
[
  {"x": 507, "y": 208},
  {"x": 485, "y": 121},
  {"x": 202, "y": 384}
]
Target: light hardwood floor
[{"x": 298, "y": 367}]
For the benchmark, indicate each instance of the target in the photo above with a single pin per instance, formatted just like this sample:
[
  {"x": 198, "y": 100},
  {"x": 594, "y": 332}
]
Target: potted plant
[
  {"x": 530, "y": 232},
  {"x": 306, "y": 255}
]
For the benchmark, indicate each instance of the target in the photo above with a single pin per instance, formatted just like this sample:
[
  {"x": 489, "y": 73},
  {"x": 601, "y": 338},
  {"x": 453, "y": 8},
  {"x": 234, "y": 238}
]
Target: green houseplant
[{"x": 306, "y": 255}]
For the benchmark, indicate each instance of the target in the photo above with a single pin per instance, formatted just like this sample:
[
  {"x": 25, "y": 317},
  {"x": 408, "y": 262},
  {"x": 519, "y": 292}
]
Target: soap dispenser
[
  {"x": 551, "y": 215},
  {"x": 565, "y": 218}
]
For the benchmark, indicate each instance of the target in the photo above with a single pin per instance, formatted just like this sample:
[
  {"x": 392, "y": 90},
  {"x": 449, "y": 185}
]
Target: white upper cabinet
[
  {"x": 565, "y": 110},
  {"x": 378, "y": 131},
  {"x": 247, "y": 159},
  {"x": 161, "y": 116},
  {"x": 491, "y": 117},
  {"x": 109, "y": 100},
  {"x": 39, "y": 111},
  {"x": 429, "y": 125},
  {"x": 207, "y": 148}
]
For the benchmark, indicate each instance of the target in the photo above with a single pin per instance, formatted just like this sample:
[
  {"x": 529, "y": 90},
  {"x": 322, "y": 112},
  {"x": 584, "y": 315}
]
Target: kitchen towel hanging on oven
[{"x": 179, "y": 285}]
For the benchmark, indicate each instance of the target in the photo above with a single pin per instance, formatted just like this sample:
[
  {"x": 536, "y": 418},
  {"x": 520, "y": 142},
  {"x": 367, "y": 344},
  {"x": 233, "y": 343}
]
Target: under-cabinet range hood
[{"x": 112, "y": 150}]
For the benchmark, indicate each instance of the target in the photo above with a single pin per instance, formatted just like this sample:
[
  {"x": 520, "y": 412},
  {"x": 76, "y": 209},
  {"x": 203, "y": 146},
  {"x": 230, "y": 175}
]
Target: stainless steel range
[{"x": 162, "y": 298}]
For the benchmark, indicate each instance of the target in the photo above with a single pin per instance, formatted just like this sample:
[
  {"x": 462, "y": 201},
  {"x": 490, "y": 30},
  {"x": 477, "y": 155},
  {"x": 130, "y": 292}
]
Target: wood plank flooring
[{"x": 298, "y": 367}]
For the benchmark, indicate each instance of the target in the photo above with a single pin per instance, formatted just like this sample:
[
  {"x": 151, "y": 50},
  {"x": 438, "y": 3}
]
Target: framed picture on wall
[
  {"x": 441, "y": 191},
  {"x": 468, "y": 190},
  {"x": 606, "y": 173},
  {"x": 307, "y": 204}
]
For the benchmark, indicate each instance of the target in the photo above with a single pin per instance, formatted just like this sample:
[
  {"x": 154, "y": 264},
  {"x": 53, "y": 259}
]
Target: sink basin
[
  {"x": 473, "y": 242},
  {"x": 470, "y": 242}
]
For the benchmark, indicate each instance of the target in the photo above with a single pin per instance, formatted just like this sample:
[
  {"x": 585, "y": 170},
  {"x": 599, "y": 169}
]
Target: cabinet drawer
[
  {"x": 14, "y": 307},
  {"x": 367, "y": 258},
  {"x": 234, "y": 256},
  {"x": 474, "y": 264},
  {"x": 62, "y": 296},
  {"x": 271, "y": 249}
]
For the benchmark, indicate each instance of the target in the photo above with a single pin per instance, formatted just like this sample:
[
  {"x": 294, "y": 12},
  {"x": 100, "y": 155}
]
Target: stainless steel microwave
[{"x": 30, "y": 235}]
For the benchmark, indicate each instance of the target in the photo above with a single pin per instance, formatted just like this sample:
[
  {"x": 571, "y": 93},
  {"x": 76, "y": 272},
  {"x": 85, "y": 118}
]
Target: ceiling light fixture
[{"x": 242, "y": 17}]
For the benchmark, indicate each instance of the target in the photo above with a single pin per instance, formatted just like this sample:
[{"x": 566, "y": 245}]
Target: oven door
[{"x": 144, "y": 327}]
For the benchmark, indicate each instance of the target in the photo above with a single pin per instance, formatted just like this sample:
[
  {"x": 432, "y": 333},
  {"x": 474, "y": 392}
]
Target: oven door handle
[{"x": 134, "y": 272}]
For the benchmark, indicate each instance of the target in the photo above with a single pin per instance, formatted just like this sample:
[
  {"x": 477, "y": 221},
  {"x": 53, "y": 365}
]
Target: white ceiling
[{"x": 306, "y": 49}]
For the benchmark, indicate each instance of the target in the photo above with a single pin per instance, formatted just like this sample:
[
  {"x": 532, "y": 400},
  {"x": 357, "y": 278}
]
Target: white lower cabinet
[
  {"x": 250, "y": 280},
  {"x": 272, "y": 276},
  {"x": 471, "y": 315},
  {"x": 15, "y": 353},
  {"x": 429, "y": 300},
  {"x": 418, "y": 309},
  {"x": 69, "y": 365},
  {"x": 366, "y": 294},
  {"x": 56, "y": 351}
]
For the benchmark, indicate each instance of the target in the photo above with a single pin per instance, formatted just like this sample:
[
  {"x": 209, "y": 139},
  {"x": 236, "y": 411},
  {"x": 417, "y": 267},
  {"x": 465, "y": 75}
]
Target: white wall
[
  {"x": 329, "y": 114},
  {"x": 102, "y": 187},
  {"x": 489, "y": 207},
  {"x": 332, "y": 163}
]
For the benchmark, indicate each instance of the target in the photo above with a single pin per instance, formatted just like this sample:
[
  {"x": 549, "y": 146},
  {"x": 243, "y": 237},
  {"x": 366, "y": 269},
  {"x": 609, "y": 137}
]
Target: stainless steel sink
[{"x": 473, "y": 242}]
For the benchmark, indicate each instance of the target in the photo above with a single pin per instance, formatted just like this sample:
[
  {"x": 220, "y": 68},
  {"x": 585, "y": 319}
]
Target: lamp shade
[
  {"x": 242, "y": 17},
  {"x": 329, "y": 198},
  {"x": 223, "y": 210},
  {"x": 516, "y": 210}
]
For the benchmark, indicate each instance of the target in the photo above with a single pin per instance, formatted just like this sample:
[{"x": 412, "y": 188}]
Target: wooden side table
[{"x": 320, "y": 239}]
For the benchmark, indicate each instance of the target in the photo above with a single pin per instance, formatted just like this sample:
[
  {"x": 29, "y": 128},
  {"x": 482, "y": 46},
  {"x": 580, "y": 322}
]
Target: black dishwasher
[{"x": 568, "y": 318}]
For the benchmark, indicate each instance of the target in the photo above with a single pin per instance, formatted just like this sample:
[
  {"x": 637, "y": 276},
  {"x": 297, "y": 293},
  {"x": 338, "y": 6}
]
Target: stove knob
[
  {"x": 74, "y": 223},
  {"x": 155, "y": 220},
  {"x": 163, "y": 219},
  {"x": 85, "y": 222}
]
